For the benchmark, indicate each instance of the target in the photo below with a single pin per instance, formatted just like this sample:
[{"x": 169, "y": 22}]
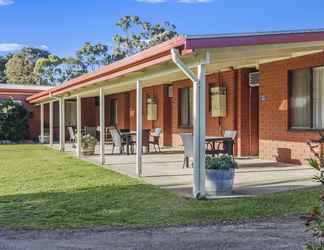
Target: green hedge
[{"x": 13, "y": 121}]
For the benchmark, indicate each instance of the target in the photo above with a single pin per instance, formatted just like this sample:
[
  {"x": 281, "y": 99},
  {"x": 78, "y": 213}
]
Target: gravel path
[{"x": 275, "y": 233}]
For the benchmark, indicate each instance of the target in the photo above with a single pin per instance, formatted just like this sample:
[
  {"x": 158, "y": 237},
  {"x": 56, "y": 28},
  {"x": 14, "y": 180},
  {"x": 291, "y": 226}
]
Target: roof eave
[{"x": 204, "y": 42}]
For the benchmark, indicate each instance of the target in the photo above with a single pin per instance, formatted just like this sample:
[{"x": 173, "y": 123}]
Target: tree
[
  {"x": 139, "y": 35},
  {"x": 38, "y": 66},
  {"x": 33, "y": 54},
  {"x": 20, "y": 67},
  {"x": 3, "y": 61},
  {"x": 18, "y": 70},
  {"x": 46, "y": 70},
  {"x": 70, "y": 68},
  {"x": 13, "y": 121},
  {"x": 94, "y": 56}
]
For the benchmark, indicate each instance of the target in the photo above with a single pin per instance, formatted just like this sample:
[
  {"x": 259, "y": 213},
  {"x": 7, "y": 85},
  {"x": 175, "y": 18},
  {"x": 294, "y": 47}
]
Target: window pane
[
  {"x": 300, "y": 99},
  {"x": 184, "y": 108},
  {"x": 191, "y": 107},
  {"x": 113, "y": 112},
  {"x": 318, "y": 97},
  {"x": 70, "y": 113}
]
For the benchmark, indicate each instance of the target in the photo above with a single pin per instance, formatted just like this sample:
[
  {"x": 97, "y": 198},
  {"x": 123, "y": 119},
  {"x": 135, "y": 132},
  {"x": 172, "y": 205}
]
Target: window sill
[
  {"x": 305, "y": 130},
  {"x": 185, "y": 127}
]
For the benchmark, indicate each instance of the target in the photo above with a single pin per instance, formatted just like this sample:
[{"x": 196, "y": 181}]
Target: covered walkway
[{"x": 253, "y": 177}]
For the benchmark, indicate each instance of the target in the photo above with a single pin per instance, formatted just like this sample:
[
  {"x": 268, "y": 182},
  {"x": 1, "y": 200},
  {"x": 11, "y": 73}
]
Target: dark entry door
[{"x": 254, "y": 121}]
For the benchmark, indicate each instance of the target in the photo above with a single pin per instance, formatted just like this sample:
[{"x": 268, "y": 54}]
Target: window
[
  {"x": 113, "y": 112},
  {"x": 186, "y": 107},
  {"x": 306, "y": 100},
  {"x": 70, "y": 113}
]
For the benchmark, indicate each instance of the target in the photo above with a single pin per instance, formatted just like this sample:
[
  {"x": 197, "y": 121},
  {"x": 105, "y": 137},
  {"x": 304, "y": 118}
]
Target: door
[{"x": 254, "y": 120}]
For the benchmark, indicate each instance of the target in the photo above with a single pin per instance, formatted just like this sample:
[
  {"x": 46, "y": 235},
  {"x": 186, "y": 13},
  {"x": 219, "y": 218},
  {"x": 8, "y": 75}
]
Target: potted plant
[
  {"x": 220, "y": 174},
  {"x": 46, "y": 136},
  {"x": 88, "y": 144}
]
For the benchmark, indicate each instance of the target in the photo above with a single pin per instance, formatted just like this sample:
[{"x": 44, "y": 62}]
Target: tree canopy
[{"x": 38, "y": 66}]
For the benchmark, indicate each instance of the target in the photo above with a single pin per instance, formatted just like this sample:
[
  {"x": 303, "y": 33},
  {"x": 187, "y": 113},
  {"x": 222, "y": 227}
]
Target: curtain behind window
[
  {"x": 70, "y": 113},
  {"x": 184, "y": 107},
  {"x": 300, "y": 99},
  {"x": 318, "y": 97}
]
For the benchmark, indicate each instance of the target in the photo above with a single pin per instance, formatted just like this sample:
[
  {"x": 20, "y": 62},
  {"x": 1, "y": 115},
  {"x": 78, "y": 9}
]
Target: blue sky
[{"x": 63, "y": 26}]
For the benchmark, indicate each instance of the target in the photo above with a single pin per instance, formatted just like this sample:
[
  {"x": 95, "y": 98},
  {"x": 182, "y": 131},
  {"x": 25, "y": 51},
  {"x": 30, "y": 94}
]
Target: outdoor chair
[
  {"x": 108, "y": 137},
  {"x": 116, "y": 140},
  {"x": 91, "y": 131},
  {"x": 156, "y": 139},
  {"x": 72, "y": 137},
  {"x": 187, "y": 141},
  {"x": 227, "y": 146},
  {"x": 146, "y": 139}
]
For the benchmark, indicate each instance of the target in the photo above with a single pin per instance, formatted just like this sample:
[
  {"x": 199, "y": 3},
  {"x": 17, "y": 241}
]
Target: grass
[{"x": 41, "y": 188}]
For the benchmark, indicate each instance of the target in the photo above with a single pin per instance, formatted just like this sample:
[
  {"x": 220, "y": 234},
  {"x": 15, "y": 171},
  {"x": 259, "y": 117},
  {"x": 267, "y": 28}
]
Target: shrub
[
  {"x": 13, "y": 121},
  {"x": 224, "y": 162},
  {"x": 315, "y": 219}
]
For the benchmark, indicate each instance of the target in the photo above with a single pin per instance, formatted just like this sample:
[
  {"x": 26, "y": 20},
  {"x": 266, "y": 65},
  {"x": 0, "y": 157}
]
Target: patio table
[
  {"x": 127, "y": 139},
  {"x": 227, "y": 142}
]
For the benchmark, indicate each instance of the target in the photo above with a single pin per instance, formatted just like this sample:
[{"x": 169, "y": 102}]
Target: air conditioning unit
[{"x": 254, "y": 79}]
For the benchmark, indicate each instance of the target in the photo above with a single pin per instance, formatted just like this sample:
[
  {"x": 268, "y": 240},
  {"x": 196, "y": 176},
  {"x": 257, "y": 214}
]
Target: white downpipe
[
  {"x": 102, "y": 126},
  {"x": 62, "y": 124},
  {"x": 42, "y": 123},
  {"x": 199, "y": 123},
  {"x": 138, "y": 128},
  {"x": 51, "y": 118},
  {"x": 78, "y": 134},
  {"x": 184, "y": 68}
]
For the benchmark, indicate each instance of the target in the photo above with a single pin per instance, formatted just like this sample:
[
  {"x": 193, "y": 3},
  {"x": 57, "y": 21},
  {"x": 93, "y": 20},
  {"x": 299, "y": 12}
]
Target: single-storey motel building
[{"x": 269, "y": 87}]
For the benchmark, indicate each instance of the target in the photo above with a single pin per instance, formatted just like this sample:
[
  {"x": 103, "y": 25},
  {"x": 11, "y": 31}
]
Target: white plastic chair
[
  {"x": 116, "y": 139},
  {"x": 187, "y": 140},
  {"x": 156, "y": 139},
  {"x": 230, "y": 134},
  {"x": 71, "y": 135}
]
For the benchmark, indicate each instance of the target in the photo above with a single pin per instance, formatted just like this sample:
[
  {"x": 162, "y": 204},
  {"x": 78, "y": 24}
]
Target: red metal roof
[
  {"x": 151, "y": 56},
  {"x": 231, "y": 40},
  {"x": 161, "y": 53}
]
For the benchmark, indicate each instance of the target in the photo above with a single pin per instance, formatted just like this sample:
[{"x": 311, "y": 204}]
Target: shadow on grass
[
  {"x": 137, "y": 204},
  {"x": 102, "y": 205}
]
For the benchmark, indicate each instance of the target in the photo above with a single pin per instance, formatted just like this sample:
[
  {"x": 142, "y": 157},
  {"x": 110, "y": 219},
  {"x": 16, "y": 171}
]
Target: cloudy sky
[{"x": 62, "y": 26}]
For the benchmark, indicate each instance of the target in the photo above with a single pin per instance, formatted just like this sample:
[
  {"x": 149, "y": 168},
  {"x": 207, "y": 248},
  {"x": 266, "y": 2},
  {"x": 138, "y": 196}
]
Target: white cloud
[
  {"x": 6, "y": 2},
  {"x": 44, "y": 47},
  {"x": 8, "y": 47}
]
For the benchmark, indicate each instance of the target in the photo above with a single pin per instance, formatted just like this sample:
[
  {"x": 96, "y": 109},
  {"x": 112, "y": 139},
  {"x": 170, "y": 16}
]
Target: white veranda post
[
  {"x": 51, "y": 118},
  {"x": 138, "y": 128},
  {"x": 62, "y": 123},
  {"x": 102, "y": 126},
  {"x": 199, "y": 132},
  {"x": 78, "y": 132},
  {"x": 42, "y": 123}
]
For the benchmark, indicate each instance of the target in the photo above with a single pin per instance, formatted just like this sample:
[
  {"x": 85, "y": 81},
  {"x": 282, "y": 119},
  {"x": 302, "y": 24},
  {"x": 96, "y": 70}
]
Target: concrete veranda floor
[{"x": 253, "y": 177}]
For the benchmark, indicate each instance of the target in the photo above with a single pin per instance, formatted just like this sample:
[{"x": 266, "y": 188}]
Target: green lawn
[{"x": 41, "y": 188}]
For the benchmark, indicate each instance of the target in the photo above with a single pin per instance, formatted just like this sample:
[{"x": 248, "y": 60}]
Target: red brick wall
[
  {"x": 163, "y": 112},
  {"x": 276, "y": 141},
  {"x": 122, "y": 109},
  {"x": 214, "y": 126}
]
